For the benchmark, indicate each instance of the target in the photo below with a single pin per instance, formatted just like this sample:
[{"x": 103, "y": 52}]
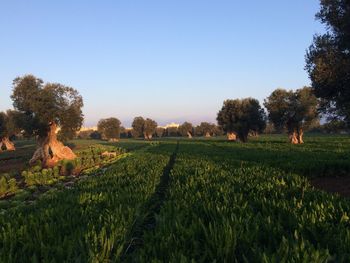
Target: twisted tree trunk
[
  {"x": 8, "y": 144},
  {"x": 147, "y": 136},
  {"x": 243, "y": 136},
  {"x": 50, "y": 150},
  {"x": 296, "y": 137},
  {"x": 231, "y": 136},
  {"x": 300, "y": 136},
  {"x": 189, "y": 135},
  {"x": 207, "y": 134}
]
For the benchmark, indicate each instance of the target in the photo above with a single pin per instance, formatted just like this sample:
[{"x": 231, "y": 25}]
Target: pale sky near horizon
[{"x": 168, "y": 60}]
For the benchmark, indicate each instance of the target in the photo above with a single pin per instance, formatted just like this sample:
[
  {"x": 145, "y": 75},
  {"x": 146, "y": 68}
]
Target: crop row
[
  {"x": 87, "y": 223},
  {"x": 36, "y": 175},
  {"x": 216, "y": 211}
]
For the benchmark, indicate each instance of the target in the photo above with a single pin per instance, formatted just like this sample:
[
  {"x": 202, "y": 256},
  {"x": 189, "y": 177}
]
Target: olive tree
[
  {"x": 240, "y": 116},
  {"x": 144, "y": 127},
  {"x": 47, "y": 107},
  {"x": 149, "y": 128},
  {"x": 160, "y": 131},
  {"x": 294, "y": 111},
  {"x": 205, "y": 129},
  {"x": 109, "y": 128},
  {"x": 137, "y": 126},
  {"x": 186, "y": 129},
  {"x": 328, "y": 60},
  {"x": 9, "y": 126}
]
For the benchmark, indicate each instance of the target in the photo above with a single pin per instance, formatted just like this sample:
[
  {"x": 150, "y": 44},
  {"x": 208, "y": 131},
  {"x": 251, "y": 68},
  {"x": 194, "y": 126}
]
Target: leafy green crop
[
  {"x": 218, "y": 211},
  {"x": 87, "y": 223}
]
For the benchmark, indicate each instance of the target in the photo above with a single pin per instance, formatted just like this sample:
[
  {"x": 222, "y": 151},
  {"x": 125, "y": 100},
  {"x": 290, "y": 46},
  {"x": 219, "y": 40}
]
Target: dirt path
[{"x": 340, "y": 185}]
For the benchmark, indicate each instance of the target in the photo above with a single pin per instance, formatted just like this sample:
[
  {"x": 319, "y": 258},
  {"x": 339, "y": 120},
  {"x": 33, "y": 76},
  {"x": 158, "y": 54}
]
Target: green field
[{"x": 181, "y": 200}]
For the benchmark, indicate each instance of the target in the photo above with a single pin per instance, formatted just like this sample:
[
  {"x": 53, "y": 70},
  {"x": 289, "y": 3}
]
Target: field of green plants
[{"x": 187, "y": 201}]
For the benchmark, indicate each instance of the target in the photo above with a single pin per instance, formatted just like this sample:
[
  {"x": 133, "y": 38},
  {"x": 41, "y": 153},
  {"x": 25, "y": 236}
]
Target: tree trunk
[
  {"x": 300, "y": 136},
  {"x": 49, "y": 150},
  {"x": 296, "y": 137},
  {"x": 189, "y": 135},
  {"x": 293, "y": 137},
  {"x": 8, "y": 144},
  {"x": 231, "y": 136},
  {"x": 207, "y": 134},
  {"x": 243, "y": 137},
  {"x": 147, "y": 136}
]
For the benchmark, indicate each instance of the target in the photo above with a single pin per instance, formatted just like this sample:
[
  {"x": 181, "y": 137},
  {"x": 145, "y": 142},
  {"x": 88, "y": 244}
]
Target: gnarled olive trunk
[
  {"x": 189, "y": 135},
  {"x": 296, "y": 137},
  {"x": 147, "y": 136},
  {"x": 5, "y": 141},
  {"x": 231, "y": 136},
  {"x": 242, "y": 136},
  {"x": 300, "y": 135},
  {"x": 49, "y": 150}
]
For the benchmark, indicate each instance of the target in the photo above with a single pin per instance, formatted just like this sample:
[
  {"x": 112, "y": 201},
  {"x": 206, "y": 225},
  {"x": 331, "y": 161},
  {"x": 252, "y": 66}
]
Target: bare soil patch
[{"x": 340, "y": 185}]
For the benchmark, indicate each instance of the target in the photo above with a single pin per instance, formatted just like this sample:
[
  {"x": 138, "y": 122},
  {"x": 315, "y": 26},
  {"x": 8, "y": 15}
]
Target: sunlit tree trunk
[
  {"x": 147, "y": 136},
  {"x": 231, "y": 136},
  {"x": 296, "y": 137},
  {"x": 189, "y": 135},
  {"x": 50, "y": 150},
  {"x": 293, "y": 137},
  {"x": 207, "y": 134},
  {"x": 8, "y": 144},
  {"x": 300, "y": 136}
]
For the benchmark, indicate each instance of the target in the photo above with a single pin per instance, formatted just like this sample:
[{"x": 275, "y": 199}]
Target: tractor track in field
[{"x": 147, "y": 220}]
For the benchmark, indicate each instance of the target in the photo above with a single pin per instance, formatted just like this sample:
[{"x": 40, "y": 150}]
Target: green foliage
[
  {"x": 46, "y": 104},
  {"x": 328, "y": 59},
  {"x": 109, "y": 128},
  {"x": 216, "y": 211},
  {"x": 185, "y": 129},
  {"x": 87, "y": 224},
  {"x": 292, "y": 110},
  {"x": 143, "y": 127},
  {"x": 137, "y": 126},
  {"x": 205, "y": 129},
  {"x": 242, "y": 116},
  {"x": 172, "y": 131},
  {"x": 224, "y": 202},
  {"x": 160, "y": 131},
  {"x": 7, "y": 185}
]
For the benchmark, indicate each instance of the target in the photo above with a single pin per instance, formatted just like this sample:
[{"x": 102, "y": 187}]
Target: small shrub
[
  {"x": 56, "y": 171},
  {"x": 69, "y": 167},
  {"x": 3, "y": 186},
  {"x": 12, "y": 183}
]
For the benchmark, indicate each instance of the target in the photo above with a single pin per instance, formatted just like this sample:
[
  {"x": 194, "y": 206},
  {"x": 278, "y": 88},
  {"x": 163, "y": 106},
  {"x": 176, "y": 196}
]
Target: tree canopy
[
  {"x": 241, "y": 117},
  {"x": 149, "y": 128},
  {"x": 205, "y": 129},
  {"x": 48, "y": 103},
  {"x": 109, "y": 128},
  {"x": 292, "y": 110},
  {"x": 186, "y": 129},
  {"x": 328, "y": 59},
  {"x": 146, "y": 127},
  {"x": 9, "y": 123}
]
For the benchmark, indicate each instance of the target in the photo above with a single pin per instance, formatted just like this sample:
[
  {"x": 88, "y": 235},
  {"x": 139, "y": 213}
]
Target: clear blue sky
[{"x": 170, "y": 60}]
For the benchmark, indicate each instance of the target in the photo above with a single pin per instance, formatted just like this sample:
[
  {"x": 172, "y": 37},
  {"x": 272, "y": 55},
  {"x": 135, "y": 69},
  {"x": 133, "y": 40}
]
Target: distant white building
[
  {"x": 170, "y": 125},
  {"x": 94, "y": 128}
]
